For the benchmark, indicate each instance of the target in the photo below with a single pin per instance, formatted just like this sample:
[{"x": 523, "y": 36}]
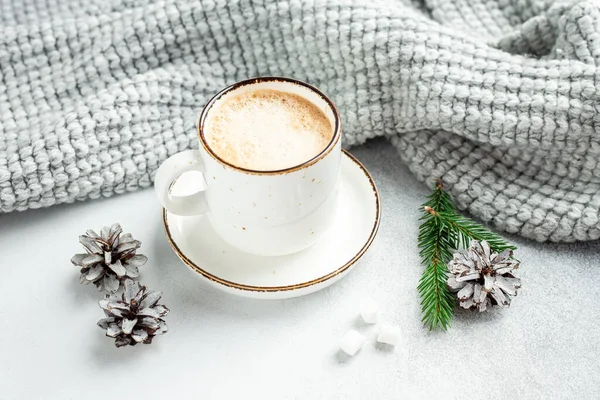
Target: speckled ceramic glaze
[
  {"x": 354, "y": 227},
  {"x": 260, "y": 212}
]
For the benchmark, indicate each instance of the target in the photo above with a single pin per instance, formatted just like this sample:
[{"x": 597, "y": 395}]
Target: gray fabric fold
[{"x": 500, "y": 99}]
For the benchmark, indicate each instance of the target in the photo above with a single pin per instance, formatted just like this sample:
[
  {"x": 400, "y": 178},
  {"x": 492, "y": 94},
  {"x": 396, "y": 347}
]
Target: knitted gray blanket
[{"x": 499, "y": 98}]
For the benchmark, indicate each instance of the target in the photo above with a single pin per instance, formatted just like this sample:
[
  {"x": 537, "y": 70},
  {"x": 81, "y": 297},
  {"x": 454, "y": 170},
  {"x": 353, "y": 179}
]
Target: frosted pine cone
[
  {"x": 134, "y": 317},
  {"x": 483, "y": 278},
  {"x": 110, "y": 258}
]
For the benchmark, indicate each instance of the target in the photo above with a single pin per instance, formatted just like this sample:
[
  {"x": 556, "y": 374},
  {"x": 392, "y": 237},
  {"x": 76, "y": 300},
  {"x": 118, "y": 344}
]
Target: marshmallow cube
[
  {"x": 368, "y": 311},
  {"x": 352, "y": 342},
  {"x": 389, "y": 335}
]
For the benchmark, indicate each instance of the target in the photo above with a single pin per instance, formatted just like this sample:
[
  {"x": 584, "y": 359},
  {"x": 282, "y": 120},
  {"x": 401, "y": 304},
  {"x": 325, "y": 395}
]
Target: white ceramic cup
[{"x": 260, "y": 212}]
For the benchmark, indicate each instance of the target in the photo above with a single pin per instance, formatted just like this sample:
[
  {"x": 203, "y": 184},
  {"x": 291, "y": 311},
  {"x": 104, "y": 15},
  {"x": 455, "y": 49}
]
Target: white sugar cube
[
  {"x": 368, "y": 311},
  {"x": 352, "y": 342},
  {"x": 389, "y": 335}
]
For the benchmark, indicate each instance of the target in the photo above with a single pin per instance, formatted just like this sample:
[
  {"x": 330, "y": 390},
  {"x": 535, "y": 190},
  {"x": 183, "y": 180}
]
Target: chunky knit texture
[{"x": 499, "y": 98}]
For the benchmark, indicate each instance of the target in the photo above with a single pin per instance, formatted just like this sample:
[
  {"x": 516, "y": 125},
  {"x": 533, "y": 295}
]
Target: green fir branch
[
  {"x": 468, "y": 230},
  {"x": 436, "y": 244},
  {"x": 442, "y": 232}
]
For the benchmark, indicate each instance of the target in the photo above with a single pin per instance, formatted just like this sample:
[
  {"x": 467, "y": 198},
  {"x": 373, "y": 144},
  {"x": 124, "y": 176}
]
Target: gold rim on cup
[{"x": 334, "y": 139}]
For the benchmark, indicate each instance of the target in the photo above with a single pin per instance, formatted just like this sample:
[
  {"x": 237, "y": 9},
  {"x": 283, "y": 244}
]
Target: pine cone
[
  {"x": 135, "y": 316},
  {"x": 110, "y": 258},
  {"x": 483, "y": 278}
]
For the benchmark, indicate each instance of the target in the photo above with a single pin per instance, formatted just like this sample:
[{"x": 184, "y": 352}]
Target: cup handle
[{"x": 168, "y": 172}]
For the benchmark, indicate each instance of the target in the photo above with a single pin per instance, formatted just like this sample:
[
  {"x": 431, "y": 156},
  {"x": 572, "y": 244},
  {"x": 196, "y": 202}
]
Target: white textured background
[{"x": 222, "y": 347}]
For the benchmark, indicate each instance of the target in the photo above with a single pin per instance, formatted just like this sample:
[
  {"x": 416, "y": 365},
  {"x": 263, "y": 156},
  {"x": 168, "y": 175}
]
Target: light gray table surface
[{"x": 546, "y": 346}]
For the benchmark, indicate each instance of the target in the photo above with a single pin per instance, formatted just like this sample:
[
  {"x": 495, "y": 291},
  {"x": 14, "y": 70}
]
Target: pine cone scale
[
  {"x": 92, "y": 233},
  {"x": 124, "y": 247},
  {"x": 505, "y": 269},
  {"x": 94, "y": 273},
  {"x": 128, "y": 325},
  {"x": 149, "y": 312},
  {"x": 91, "y": 259},
  {"x": 90, "y": 244},
  {"x": 78, "y": 258},
  {"x": 111, "y": 283},
  {"x": 502, "y": 257},
  {"x": 125, "y": 238},
  {"x": 130, "y": 291},
  {"x": 105, "y": 322},
  {"x": 500, "y": 298},
  {"x": 508, "y": 285},
  {"x": 465, "y": 277},
  {"x": 149, "y": 322},
  {"x": 122, "y": 341},
  {"x": 478, "y": 293},
  {"x": 139, "y": 335},
  {"x": 137, "y": 260},
  {"x": 150, "y": 299},
  {"x": 455, "y": 285},
  {"x": 113, "y": 330},
  {"x": 118, "y": 268},
  {"x": 488, "y": 282},
  {"x": 131, "y": 271}
]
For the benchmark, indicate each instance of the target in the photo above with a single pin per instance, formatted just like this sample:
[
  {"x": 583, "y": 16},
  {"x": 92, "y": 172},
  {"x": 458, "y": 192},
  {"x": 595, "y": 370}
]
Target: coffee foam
[{"x": 266, "y": 130}]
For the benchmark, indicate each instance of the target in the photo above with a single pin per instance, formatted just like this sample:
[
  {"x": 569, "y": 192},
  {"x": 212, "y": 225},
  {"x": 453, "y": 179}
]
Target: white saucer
[{"x": 307, "y": 271}]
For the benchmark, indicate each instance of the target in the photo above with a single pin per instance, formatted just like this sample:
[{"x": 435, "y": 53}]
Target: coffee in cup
[{"x": 266, "y": 130}]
